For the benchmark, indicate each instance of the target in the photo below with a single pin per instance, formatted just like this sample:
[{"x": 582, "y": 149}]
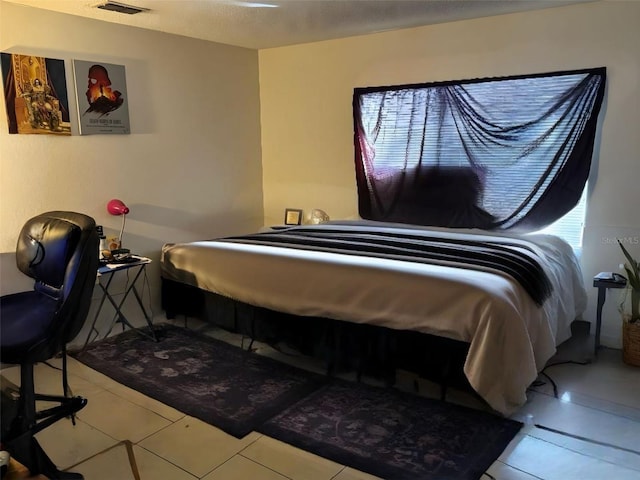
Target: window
[
  {"x": 570, "y": 227},
  {"x": 509, "y": 153}
]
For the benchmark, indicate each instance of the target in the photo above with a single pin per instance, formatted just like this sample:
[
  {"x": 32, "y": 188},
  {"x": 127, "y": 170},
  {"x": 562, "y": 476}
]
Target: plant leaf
[
  {"x": 632, "y": 271},
  {"x": 632, "y": 280}
]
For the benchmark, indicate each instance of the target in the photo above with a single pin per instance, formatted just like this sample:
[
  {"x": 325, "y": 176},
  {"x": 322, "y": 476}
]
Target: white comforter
[{"x": 511, "y": 338}]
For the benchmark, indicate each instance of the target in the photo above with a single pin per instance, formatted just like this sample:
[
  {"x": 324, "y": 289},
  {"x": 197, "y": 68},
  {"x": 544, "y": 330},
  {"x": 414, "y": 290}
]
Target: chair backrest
[{"x": 60, "y": 251}]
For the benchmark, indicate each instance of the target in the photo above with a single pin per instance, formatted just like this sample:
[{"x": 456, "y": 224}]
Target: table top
[
  {"x": 609, "y": 280},
  {"x": 114, "y": 267}
]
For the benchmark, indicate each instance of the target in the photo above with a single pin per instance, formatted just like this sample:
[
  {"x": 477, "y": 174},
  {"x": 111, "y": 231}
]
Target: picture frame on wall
[
  {"x": 292, "y": 216},
  {"x": 36, "y": 98},
  {"x": 101, "y": 95}
]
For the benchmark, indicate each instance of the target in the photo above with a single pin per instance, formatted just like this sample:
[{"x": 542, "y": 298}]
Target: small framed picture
[{"x": 292, "y": 216}]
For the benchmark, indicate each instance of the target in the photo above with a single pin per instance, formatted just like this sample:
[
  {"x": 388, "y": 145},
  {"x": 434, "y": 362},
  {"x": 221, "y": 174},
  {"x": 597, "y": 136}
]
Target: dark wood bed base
[{"x": 343, "y": 346}]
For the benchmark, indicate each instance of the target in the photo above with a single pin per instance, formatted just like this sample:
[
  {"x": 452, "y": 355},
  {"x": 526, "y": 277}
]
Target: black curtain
[
  {"x": 57, "y": 80},
  {"x": 9, "y": 92},
  {"x": 498, "y": 153}
]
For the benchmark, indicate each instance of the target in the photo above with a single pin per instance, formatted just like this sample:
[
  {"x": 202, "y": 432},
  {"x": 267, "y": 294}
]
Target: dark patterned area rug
[
  {"x": 394, "y": 435},
  {"x": 218, "y": 383}
]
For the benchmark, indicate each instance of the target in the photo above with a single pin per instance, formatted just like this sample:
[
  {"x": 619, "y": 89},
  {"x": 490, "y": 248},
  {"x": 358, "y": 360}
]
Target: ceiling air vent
[{"x": 120, "y": 7}]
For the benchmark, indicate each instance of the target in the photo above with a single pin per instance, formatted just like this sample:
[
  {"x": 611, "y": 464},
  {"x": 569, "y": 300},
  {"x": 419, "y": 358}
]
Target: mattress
[{"x": 511, "y": 336}]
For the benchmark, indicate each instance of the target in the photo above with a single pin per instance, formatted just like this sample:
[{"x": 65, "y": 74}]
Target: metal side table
[
  {"x": 106, "y": 274},
  {"x": 602, "y": 282}
]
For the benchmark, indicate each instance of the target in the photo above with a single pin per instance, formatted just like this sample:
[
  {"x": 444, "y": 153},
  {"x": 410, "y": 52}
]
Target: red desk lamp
[{"x": 117, "y": 207}]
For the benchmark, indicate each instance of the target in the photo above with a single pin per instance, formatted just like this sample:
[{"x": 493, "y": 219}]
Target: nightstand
[
  {"x": 602, "y": 282},
  {"x": 136, "y": 265}
]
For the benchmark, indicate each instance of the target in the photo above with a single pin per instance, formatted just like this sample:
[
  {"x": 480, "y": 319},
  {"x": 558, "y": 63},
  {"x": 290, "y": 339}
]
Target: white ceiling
[{"x": 261, "y": 24}]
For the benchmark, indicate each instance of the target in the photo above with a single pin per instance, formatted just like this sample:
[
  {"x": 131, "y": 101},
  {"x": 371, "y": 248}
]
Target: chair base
[
  {"x": 29, "y": 453},
  {"x": 24, "y": 421}
]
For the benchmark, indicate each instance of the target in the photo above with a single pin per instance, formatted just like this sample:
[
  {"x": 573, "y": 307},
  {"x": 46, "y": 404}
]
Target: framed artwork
[
  {"x": 101, "y": 94},
  {"x": 35, "y": 94},
  {"x": 292, "y": 216}
]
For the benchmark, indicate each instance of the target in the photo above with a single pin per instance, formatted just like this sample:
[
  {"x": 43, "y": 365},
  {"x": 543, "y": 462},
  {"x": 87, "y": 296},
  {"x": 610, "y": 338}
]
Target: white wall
[
  {"x": 191, "y": 167},
  {"x": 307, "y": 127}
]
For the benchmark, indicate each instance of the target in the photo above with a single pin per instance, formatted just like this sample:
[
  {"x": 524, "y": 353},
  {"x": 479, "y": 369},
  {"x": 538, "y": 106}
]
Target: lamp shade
[{"x": 117, "y": 207}]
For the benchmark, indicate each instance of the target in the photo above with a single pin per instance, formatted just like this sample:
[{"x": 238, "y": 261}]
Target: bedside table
[
  {"x": 602, "y": 282},
  {"x": 136, "y": 266}
]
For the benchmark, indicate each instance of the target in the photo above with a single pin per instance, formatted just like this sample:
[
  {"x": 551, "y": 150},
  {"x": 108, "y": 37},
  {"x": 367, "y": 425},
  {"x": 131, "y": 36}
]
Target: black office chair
[{"x": 60, "y": 251}]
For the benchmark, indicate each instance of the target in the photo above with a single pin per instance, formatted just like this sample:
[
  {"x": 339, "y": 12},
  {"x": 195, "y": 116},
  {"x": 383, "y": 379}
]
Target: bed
[{"x": 510, "y": 298}]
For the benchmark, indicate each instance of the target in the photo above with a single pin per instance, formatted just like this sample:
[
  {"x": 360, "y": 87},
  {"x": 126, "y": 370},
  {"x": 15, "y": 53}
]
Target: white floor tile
[
  {"x": 148, "y": 403},
  {"x": 582, "y": 421},
  {"x": 111, "y": 464},
  {"x": 48, "y": 380},
  {"x": 351, "y": 474},
  {"x": 241, "y": 468},
  {"x": 629, "y": 459},
  {"x": 120, "y": 418},
  {"x": 116, "y": 463},
  {"x": 290, "y": 461},
  {"x": 500, "y": 471},
  {"x": 551, "y": 462},
  {"x": 79, "y": 369},
  {"x": 68, "y": 445},
  {"x": 601, "y": 404},
  {"x": 195, "y": 446},
  {"x": 153, "y": 467},
  {"x": 606, "y": 378}
]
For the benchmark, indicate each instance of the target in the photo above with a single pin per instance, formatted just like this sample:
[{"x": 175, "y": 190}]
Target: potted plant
[{"x": 630, "y": 309}]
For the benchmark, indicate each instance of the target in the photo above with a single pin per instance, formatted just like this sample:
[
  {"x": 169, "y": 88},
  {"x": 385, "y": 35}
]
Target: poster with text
[
  {"x": 35, "y": 94},
  {"x": 101, "y": 93}
]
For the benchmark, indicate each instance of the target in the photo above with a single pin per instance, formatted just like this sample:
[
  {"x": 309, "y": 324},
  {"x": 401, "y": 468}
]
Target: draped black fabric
[
  {"x": 497, "y": 153},
  {"x": 9, "y": 92},
  {"x": 56, "y": 79}
]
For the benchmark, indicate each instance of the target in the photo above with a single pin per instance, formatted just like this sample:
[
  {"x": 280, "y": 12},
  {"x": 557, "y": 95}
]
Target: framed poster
[
  {"x": 101, "y": 94},
  {"x": 35, "y": 94}
]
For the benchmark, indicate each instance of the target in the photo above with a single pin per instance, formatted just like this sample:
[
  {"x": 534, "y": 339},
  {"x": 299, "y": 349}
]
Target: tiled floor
[{"x": 591, "y": 432}]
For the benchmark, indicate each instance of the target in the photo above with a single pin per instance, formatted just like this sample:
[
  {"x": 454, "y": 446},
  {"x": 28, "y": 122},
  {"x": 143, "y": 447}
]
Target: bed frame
[
  {"x": 342, "y": 346},
  {"x": 462, "y": 308}
]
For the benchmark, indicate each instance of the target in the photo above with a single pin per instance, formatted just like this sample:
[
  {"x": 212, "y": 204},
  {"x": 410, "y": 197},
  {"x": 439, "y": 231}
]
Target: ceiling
[{"x": 261, "y": 24}]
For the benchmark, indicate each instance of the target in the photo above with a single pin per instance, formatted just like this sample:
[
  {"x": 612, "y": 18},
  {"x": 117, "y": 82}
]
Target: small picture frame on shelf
[{"x": 292, "y": 216}]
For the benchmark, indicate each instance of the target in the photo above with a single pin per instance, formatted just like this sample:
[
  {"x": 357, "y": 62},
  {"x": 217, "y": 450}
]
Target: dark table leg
[{"x": 602, "y": 295}]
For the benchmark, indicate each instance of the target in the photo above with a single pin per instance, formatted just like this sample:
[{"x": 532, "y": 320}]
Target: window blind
[{"x": 497, "y": 153}]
